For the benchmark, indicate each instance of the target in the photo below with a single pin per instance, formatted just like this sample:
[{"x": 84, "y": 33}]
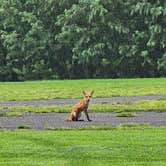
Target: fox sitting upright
[{"x": 81, "y": 106}]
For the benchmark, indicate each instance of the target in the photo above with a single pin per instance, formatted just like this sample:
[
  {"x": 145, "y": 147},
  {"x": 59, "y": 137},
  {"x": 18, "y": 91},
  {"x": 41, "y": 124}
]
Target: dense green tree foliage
[{"x": 59, "y": 39}]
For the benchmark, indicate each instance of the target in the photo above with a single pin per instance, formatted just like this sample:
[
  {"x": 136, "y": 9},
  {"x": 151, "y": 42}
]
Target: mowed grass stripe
[
  {"x": 73, "y": 88},
  {"x": 147, "y": 105},
  {"x": 84, "y": 147}
]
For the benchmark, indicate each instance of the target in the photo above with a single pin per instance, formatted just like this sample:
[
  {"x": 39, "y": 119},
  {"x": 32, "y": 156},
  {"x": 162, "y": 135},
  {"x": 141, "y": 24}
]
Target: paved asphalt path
[
  {"x": 43, "y": 121},
  {"x": 121, "y": 99}
]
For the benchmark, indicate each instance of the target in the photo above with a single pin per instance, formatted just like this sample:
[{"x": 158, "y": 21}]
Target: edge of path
[{"x": 120, "y": 99}]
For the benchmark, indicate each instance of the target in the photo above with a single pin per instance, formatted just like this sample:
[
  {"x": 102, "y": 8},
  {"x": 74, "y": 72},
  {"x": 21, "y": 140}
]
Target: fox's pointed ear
[
  {"x": 92, "y": 92},
  {"x": 83, "y": 92}
]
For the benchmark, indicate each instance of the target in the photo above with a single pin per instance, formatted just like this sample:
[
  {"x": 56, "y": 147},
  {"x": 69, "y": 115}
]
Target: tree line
[{"x": 73, "y": 39}]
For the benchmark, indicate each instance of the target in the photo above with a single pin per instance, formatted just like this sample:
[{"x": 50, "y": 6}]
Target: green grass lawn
[
  {"x": 73, "y": 88},
  {"x": 147, "y": 105},
  {"x": 121, "y": 146},
  {"x": 84, "y": 147}
]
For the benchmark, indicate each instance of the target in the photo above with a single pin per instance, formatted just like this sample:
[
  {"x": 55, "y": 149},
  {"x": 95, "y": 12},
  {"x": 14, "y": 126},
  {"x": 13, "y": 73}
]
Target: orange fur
[{"x": 81, "y": 106}]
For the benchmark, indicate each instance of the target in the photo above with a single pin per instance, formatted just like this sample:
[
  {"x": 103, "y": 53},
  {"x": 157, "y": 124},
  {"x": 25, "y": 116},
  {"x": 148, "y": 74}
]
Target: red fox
[{"x": 81, "y": 106}]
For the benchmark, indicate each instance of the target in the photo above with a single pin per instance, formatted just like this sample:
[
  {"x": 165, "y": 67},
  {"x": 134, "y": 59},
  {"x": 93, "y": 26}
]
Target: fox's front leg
[
  {"x": 86, "y": 113},
  {"x": 76, "y": 114}
]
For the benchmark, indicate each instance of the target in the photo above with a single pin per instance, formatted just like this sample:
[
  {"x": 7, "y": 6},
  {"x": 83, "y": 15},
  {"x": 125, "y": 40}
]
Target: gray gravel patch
[
  {"x": 122, "y": 99},
  {"x": 43, "y": 121}
]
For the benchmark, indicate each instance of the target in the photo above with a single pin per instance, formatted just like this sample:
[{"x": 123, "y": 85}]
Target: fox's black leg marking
[
  {"x": 76, "y": 116},
  {"x": 86, "y": 113}
]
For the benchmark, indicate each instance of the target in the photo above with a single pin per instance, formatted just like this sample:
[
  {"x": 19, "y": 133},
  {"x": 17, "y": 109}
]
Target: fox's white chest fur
[{"x": 87, "y": 105}]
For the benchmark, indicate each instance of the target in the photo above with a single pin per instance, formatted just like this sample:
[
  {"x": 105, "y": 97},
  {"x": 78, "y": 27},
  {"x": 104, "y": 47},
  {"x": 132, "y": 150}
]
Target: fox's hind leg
[
  {"x": 74, "y": 116},
  {"x": 71, "y": 118}
]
